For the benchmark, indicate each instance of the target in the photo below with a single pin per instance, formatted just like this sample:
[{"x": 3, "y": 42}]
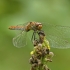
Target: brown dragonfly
[{"x": 57, "y": 35}]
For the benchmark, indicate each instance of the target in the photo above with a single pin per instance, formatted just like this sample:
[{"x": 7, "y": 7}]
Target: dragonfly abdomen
[{"x": 16, "y": 28}]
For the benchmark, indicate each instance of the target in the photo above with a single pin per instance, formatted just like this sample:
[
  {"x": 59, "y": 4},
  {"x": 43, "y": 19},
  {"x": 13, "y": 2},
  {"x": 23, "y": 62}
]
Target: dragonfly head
[{"x": 39, "y": 27}]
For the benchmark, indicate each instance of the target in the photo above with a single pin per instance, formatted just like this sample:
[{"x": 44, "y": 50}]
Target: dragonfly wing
[
  {"x": 58, "y": 36},
  {"x": 20, "y": 40},
  {"x": 57, "y": 42}
]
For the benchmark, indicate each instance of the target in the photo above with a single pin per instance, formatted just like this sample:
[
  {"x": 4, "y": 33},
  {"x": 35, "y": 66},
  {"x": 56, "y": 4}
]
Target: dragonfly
[
  {"x": 57, "y": 35},
  {"x": 20, "y": 40}
]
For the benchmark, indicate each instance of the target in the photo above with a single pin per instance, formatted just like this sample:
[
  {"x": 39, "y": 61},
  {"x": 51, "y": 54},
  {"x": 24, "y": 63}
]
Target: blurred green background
[{"x": 14, "y": 12}]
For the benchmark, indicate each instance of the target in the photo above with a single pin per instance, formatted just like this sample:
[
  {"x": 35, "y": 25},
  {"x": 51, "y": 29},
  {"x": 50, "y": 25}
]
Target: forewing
[
  {"x": 58, "y": 36},
  {"x": 20, "y": 40}
]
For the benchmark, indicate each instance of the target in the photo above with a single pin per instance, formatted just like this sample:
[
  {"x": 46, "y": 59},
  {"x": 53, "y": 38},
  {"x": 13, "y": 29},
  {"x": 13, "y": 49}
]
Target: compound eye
[{"x": 40, "y": 27}]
